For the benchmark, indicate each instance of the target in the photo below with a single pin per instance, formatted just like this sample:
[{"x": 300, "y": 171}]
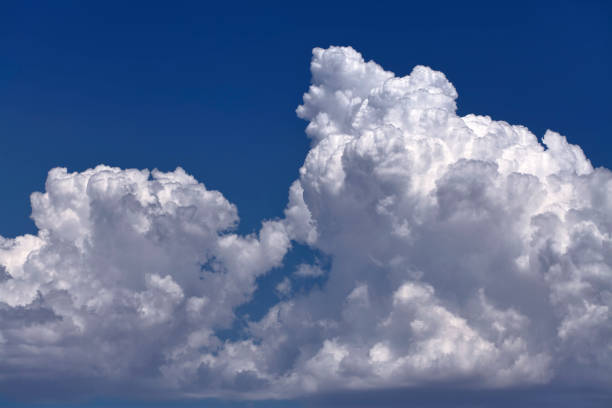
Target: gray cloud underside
[{"x": 464, "y": 253}]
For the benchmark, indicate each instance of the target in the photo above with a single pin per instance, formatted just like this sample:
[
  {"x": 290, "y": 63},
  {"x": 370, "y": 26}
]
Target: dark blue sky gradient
[{"x": 213, "y": 88}]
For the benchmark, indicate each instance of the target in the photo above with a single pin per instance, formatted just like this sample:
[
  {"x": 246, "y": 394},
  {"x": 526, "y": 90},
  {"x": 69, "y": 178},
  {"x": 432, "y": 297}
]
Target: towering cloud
[{"x": 463, "y": 252}]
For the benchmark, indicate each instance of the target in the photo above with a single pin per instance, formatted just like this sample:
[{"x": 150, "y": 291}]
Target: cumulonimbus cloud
[{"x": 463, "y": 251}]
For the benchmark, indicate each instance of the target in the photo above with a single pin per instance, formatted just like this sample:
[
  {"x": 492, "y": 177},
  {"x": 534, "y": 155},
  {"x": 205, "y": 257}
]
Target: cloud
[
  {"x": 127, "y": 267},
  {"x": 464, "y": 253},
  {"x": 309, "y": 271},
  {"x": 283, "y": 288}
]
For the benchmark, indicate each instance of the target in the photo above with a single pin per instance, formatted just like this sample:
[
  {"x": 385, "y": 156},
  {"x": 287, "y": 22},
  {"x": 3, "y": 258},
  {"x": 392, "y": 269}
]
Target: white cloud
[
  {"x": 127, "y": 266},
  {"x": 309, "y": 271},
  {"x": 283, "y": 288},
  {"x": 463, "y": 251}
]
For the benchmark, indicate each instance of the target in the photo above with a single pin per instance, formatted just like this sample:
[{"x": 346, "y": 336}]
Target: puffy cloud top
[
  {"x": 127, "y": 266},
  {"x": 463, "y": 251}
]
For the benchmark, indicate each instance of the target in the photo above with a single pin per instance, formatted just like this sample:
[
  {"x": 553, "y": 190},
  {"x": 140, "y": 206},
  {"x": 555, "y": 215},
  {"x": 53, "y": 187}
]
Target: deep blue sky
[{"x": 213, "y": 88}]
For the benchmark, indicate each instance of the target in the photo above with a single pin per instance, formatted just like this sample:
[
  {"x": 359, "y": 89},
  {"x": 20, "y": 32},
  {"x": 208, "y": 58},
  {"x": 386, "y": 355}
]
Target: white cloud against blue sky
[
  {"x": 384, "y": 245},
  {"x": 463, "y": 253}
]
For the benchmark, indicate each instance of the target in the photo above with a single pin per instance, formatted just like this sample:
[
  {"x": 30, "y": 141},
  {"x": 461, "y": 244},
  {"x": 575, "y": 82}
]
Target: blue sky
[{"x": 214, "y": 88}]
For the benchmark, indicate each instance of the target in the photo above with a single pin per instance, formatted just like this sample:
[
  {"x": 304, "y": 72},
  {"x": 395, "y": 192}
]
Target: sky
[{"x": 338, "y": 232}]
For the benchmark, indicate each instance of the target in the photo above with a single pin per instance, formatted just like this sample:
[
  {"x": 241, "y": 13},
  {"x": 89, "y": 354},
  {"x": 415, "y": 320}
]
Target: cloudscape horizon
[{"x": 451, "y": 252}]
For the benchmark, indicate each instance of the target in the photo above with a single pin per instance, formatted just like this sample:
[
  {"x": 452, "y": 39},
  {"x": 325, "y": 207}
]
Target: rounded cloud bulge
[{"x": 464, "y": 252}]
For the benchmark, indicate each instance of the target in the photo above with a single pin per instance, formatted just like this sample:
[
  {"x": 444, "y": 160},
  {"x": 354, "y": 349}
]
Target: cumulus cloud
[
  {"x": 127, "y": 266},
  {"x": 464, "y": 252}
]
